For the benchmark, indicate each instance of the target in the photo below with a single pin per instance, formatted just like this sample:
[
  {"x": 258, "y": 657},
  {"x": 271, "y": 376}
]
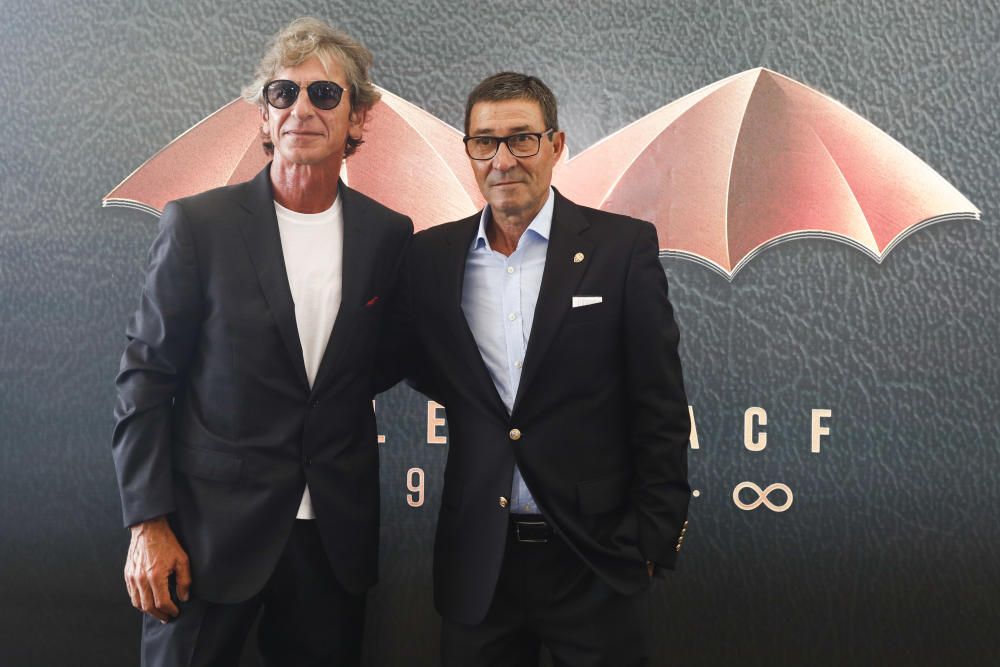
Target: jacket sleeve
[
  {"x": 660, "y": 425},
  {"x": 402, "y": 349},
  {"x": 161, "y": 340},
  {"x": 396, "y": 335}
]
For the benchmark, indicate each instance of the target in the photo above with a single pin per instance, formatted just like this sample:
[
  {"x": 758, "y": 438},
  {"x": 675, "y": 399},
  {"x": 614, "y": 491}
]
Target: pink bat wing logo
[
  {"x": 724, "y": 172},
  {"x": 757, "y": 159},
  {"x": 411, "y": 161}
]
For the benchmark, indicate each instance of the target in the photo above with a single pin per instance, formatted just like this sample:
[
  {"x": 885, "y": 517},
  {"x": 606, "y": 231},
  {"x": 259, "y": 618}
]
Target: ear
[
  {"x": 264, "y": 128},
  {"x": 558, "y": 143},
  {"x": 356, "y": 123}
]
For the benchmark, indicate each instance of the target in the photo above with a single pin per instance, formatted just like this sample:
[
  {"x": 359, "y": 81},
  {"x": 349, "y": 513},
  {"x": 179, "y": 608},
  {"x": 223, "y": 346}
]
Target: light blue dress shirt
[{"x": 498, "y": 298}]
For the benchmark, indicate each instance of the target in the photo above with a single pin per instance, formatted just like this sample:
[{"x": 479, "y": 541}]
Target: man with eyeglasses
[
  {"x": 545, "y": 330},
  {"x": 245, "y": 442}
]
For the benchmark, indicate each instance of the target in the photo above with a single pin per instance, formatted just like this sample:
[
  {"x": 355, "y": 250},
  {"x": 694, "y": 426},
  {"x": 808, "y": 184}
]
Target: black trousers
[
  {"x": 547, "y": 596},
  {"x": 307, "y": 618}
]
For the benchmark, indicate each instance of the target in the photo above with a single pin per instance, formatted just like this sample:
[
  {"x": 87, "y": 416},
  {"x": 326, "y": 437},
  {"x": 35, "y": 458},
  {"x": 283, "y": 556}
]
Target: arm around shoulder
[{"x": 395, "y": 334}]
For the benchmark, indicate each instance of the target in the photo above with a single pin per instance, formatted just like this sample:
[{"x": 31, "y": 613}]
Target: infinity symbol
[{"x": 762, "y": 496}]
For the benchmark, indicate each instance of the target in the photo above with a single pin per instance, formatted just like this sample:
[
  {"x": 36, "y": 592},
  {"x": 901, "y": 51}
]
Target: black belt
[{"x": 530, "y": 528}]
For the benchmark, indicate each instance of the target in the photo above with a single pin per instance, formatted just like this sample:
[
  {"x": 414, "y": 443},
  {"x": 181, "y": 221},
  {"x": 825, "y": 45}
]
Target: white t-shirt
[{"x": 313, "y": 247}]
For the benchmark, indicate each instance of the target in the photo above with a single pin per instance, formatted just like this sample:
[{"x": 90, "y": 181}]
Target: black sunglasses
[{"x": 282, "y": 94}]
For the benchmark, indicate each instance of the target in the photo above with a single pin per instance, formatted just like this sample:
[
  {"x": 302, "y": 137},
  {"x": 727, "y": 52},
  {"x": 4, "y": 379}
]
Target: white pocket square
[{"x": 579, "y": 301}]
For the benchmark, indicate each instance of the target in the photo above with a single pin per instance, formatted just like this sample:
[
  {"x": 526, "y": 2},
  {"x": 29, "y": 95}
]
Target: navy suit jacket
[
  {"x": 599, "y": 427},
  {"x": 217, "y": 427}
]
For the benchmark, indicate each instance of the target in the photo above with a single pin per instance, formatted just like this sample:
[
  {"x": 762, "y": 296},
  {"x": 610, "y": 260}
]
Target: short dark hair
[{"x": 514, "y": 86}]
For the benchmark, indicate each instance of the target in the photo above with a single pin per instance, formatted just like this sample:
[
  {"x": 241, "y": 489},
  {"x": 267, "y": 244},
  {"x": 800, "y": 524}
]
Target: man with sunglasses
[
  {"x": 545, "y": 329},
  {"x": 245, "y": 442}
]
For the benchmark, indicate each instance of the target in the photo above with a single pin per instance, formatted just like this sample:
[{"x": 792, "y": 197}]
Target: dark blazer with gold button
[
  {"x": 599, "y": 427},
  {"x": 217, "y": 426}
]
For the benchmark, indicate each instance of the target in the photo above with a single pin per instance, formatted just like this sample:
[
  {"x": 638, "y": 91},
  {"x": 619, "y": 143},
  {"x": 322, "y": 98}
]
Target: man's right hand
[{"x": 153, "y": 556}]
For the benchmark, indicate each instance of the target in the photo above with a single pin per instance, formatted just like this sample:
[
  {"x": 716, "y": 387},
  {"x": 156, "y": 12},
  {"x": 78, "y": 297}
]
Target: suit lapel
[
  {"x": 359, "y": 258},
  {"x": 452, "y": 279},
  {"x": 560, "y": 278},
  {"x": 263, "y": 242}
]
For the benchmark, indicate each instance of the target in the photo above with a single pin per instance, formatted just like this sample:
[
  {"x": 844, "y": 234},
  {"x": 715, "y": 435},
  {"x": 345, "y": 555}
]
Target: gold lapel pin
[{"x": 577, "y": 258}]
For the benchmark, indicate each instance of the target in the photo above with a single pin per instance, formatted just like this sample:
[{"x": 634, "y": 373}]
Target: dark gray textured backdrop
[{"x": 890, "y": 554}]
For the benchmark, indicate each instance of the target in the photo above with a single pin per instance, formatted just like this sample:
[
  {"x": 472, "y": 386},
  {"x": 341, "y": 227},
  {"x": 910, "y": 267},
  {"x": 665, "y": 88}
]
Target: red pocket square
[{"x": 371, "y": 302}]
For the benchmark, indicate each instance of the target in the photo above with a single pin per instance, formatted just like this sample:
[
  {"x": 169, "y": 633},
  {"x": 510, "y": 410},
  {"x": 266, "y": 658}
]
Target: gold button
[
  {"x": 680, "y": 540},
  {"x": 515, "y": 434},
  {"x": 503, "y": 503},
  {"x": 677, "y": 548},
  {"x": 685, "y": 523},
  {"x": 577, "y": 258}
]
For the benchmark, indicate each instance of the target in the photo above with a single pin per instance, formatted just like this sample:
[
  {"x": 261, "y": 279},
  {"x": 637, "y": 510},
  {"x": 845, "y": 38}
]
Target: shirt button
[
  {"x": 517, "y": 364},
  {"x": 510, "y": 269},
  {"x": 503, "y": 503},
  {"x": 515, "y": 434},
  {"x": 512, "y": 317}
]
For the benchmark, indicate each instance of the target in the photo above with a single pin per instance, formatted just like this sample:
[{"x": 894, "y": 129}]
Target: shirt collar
[{"x": 541, "y": 225}]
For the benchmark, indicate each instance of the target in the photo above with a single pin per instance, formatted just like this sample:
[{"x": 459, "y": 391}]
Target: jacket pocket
[
  {"x": 589, "y": 314},
  {"x": 207, "y": 464},
  {"x": 602, "y": 495}
]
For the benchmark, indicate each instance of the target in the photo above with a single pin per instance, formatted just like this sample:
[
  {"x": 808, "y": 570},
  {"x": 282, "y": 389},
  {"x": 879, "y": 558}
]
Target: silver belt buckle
[{"x": 517, "y": 532}]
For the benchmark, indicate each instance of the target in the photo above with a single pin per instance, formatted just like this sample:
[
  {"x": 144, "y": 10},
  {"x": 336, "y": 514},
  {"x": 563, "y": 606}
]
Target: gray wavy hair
[{"x": 309, "y": 37}]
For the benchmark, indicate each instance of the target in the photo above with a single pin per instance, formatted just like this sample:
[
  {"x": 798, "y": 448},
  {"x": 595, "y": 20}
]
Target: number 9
[{"x": 415, "y": 486}]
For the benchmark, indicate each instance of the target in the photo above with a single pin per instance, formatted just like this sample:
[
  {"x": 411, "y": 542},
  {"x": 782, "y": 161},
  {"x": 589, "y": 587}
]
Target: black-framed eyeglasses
[
  {"x": 282, "y": 93},
  {"x": 522, "y": 144}
]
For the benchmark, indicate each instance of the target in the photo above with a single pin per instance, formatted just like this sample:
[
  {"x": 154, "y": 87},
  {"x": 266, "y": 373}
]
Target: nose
[
  {"x": 504, "y": 160},
  {"x": 303, "y": 107}
]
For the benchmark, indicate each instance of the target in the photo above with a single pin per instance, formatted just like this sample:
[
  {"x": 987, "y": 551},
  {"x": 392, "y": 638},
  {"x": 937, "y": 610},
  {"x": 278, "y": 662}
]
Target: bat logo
[{"x": 724, "y": 172}]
